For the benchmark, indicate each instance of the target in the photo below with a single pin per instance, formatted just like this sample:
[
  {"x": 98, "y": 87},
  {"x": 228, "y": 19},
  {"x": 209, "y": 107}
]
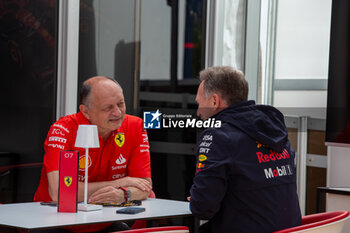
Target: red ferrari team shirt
[{"x": 124, "y": 153}]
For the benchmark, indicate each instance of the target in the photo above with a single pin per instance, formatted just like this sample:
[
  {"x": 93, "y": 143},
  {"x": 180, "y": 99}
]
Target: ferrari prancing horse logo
[
  {"x": 119, "y": 139},
  {"x": 68, "y": 180}
]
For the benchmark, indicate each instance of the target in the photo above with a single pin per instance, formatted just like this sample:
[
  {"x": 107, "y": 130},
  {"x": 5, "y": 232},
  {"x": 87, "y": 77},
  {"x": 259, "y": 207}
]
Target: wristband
[{"x": 127, "y": 193}]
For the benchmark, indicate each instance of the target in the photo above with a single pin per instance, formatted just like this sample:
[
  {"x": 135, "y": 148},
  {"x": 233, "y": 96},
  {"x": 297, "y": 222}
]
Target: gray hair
[{"x": 227, "y": 82}]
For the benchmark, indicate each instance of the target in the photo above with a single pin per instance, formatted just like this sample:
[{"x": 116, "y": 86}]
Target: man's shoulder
[
  {"x": 225, "y": 131},
  {"x": 70, "y": 121},
  {"x": 132, "y": 121}
]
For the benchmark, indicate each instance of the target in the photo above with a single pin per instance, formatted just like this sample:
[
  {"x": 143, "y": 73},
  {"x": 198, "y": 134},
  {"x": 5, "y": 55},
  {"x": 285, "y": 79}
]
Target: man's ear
[
  {"x": 218, "y": 102},
  {"x": 215, "y": 101},
  {"x": 84, "y": 110}
]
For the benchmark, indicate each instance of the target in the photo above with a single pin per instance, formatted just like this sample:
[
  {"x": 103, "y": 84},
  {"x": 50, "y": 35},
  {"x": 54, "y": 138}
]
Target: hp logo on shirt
[{"x": 151, "y": 120}]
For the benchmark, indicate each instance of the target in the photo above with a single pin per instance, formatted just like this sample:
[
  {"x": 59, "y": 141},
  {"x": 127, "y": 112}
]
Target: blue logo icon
[{"x": 151, "y": 120}]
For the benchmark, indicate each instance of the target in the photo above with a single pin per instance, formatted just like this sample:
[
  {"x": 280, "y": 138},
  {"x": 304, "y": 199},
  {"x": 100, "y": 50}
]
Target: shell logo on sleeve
[{"x": 82, "y": 162}]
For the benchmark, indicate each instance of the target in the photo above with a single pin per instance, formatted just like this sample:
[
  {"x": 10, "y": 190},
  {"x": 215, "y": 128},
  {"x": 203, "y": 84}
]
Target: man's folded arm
[
  {"x": 52, "y": 178},
  {"x": 139, "y": 187}
]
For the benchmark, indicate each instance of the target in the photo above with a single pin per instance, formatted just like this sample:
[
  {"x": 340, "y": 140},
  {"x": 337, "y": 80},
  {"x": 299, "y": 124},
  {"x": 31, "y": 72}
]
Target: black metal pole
[{"x": 174, "y": 44}]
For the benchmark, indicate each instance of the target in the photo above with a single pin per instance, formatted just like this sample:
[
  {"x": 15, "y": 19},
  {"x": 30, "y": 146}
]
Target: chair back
[
  {"x": 167, "y": 229},
  {"x": 321, "y": 223}
]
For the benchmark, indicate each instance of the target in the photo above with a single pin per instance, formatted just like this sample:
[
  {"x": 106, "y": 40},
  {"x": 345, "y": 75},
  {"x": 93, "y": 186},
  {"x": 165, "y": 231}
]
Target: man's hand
[
  {"x": 140, "y": 183},
  {"x": 107, "y": 194}
]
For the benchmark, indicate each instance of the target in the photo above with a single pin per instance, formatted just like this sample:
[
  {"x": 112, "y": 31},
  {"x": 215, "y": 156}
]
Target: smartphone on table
[
  {"x": 131, "y": 210},
  {"x": 49, "y": 203}
]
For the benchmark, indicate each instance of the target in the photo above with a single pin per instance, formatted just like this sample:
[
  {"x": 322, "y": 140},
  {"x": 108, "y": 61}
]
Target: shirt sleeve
[
  {"x": 58, "y": 138},
  {"x": 210, "y": 182},
  {"x": 140, "y": 162}
]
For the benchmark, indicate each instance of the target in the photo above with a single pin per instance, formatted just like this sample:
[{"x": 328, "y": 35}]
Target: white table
[{"x": 32, "y": 215}]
